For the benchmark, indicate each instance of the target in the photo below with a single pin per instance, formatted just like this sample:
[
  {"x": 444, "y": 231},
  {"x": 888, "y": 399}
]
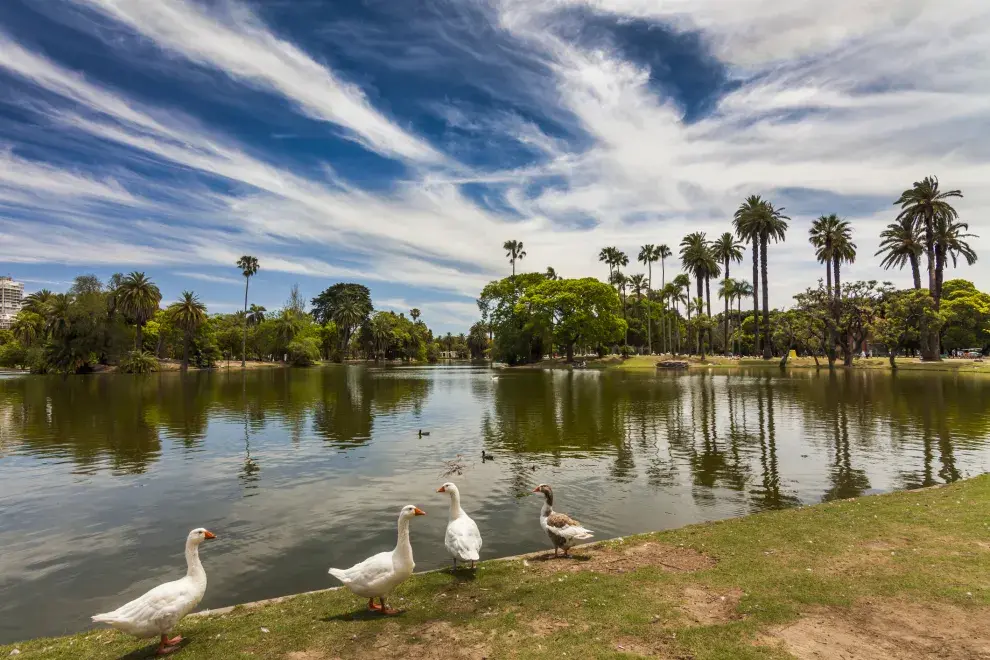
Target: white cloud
[
  {"x": 879, "y": 95},
  {"x": 238, "y": 44},
  {"x": 204, "y": 277}
]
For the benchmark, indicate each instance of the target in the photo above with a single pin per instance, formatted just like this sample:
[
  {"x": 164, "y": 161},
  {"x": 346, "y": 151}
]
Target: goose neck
[
  {"x": 194, "y": 567},
  {"x": 455, "y": 505},
  {"x": 403, "y": 548}
]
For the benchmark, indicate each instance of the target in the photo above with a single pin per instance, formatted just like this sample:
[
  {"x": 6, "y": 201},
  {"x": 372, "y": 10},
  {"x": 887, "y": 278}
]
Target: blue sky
[{"x": 399, "y": 144}]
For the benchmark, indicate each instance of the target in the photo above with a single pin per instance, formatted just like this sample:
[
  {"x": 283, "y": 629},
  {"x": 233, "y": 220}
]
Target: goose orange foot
[
  {"x": 167, "y": 645},
  {"x": 373, "y": 607}
]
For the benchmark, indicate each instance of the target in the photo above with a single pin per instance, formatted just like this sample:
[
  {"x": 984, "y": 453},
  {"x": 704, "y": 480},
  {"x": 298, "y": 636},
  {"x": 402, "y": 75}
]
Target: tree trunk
[
  {"x": 929, "y": 343},
  {"x": 739, "y": 322},
  {"x": 725, "y": 321},
  {"x": 892, "y": 358},
  {"x": 708, "y": 307},
  {"x": 915, "y": 270},
  {"x": 815, "y": 355},
  {"x": 138, "y": 344},
  {"x": 247, "y": 280},
  {"x": 649, "y": 313},
  {"x": 838, "y": 285},
  {"x": 828, "y": 278},
  {"x": 767, "y": 354},
  {"x": 570, "y": 352},
  {"x": 185, "y": 351},
  {"x": 756, "y": 294}
]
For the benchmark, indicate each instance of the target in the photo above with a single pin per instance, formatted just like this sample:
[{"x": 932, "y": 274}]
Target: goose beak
[
  {"x": 209, "y": 535},
  {"x": 419, "y": 512},
  {"x": 536, "y": 490},
  {"x": 441, "y": 489}
]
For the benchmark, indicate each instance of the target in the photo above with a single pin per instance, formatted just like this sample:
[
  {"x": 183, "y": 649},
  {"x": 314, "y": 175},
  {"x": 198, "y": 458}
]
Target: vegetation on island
[
  {"x": 867, "y": 577},
  {"x": 527, "y": 316},
  {"x": 833, "y": 320},
  {"x": 121, "y": 323}
]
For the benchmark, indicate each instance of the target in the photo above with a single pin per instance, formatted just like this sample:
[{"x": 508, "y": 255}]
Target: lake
[{"x": 101, "y": 477}]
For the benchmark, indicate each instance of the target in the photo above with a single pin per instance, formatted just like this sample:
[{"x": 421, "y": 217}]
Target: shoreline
[
  {"x": 649, "y": 363},
  {"x": 844, "y": 577}
]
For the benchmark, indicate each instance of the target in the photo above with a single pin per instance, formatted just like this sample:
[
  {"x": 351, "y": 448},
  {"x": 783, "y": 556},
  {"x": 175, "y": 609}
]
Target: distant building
[{"x": 11, "y": 299}]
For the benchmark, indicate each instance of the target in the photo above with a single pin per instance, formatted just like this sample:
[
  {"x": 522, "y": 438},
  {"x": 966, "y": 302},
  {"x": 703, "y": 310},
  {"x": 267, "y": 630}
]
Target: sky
[{"x": 399, "y": 144}]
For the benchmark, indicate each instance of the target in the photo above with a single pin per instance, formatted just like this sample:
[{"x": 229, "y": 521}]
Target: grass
[
  {"x": 649, "y": 362},
  {"x": 880, "y": 567}
]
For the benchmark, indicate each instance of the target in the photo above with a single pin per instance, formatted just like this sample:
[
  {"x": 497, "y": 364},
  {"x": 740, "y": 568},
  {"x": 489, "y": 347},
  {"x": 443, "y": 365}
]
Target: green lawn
[{"x": 905, "y": 575}]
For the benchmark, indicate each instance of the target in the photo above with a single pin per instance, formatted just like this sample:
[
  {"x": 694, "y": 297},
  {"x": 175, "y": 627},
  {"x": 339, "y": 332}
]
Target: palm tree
[
  {"x": 743, "y": 290},
  {"x": 57, "y": 315},
  {"x": 415, "y": 314},
  {"x": 832, "y": 238},
  {"x": 746, "y": 232},
  {"x": 696, "y": 257},
  {"x": 287, "y": 326},
  {"x": 727, "y": 249},
  {"x": 926, "y": 207},
  {"x": 663, "y": 251},
  {"x": 515, "y": 252},
  {"x": 37, "y": 302},
  {"x": 138, "y": 298},
  {"x": 760, "y": 218},
  {"x": 619, "y": 281},
  {"x": 727, "y": 292},
  {"x": 27, "y": 326},
  {"x": 249, "y": 268},
  {"x": 901, "y": 243},
  {"x": 188, "y": 314},
  {"x": 639, "y": 284},
  {"x": 682, "y": 294},
  {"x": 256, "y": 314},
  {"x": 648, "y": 254},
  {"x": 551, "y": 274},
  {"x": 950, "y": 242}
]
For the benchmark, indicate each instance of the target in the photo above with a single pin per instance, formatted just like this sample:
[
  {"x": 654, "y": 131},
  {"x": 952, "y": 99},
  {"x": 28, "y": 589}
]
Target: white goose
[
  {"x": 563, "y": 530},
  {"x": 378, "y": 575},
  {"x": 159, "y": 610},
  {"x": 463, "y": 539}
]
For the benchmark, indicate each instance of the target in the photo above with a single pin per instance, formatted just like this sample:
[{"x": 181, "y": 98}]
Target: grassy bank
[
  {"x": 905, "y": 575},
  {"x": 649, "y": 362}
]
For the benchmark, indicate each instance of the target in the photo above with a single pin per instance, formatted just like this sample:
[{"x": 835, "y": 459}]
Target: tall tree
[
  {"x": 663, "y": 251},
  {"x": 138, "y": 298},
  {"x": 743, "y": 290},
  {"x": 950, "y": 243},
  {"x": 727, "y": 292},
  {"x": 901, "y": 243},
  {"x": 346, "y": 304},
  {"x": 188, "y": 314},
  {"x": 649, "y": 254},
  {"x": 761, "y": 219},
  {"x": 697, "y": 258},
  {"x": 727, "y": 249},
  {"x": 747, "y": 232},
  {"x": 821, "y": 236},
  {"x": 414, "y": 313},
  {"x": 551, "y": 274},
  {"x": 927, "y": 206},
  {"x": 249, "y": 268},
  {"x": 515, "y": 252}
]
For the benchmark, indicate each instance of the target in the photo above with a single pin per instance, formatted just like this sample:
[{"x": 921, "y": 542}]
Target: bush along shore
[{"x": 903, "y": 575}]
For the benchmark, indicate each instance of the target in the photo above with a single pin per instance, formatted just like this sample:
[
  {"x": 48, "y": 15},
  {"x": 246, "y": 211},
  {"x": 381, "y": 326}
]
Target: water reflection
[{"x": 303, "y": 468}]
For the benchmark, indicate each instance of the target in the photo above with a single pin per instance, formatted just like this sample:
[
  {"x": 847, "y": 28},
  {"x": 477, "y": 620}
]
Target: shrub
[
  {"x": 13, "y": 355},
  {"x": 303, "y": 352},
  {"x": 626, "y": 351},
  {"x": 139, "y": 362}
]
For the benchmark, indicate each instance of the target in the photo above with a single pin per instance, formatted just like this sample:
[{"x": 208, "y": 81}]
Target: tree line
[
  {"x": 122, "y": 323},
  {"x": 829, "y": 320}
]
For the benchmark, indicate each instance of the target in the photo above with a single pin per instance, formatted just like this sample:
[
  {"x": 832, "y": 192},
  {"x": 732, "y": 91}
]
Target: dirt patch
[
  {"x": 622, "y": 558},
  {"x": 432, "y": 641},
  {"x": 542, "y": 626},
  {"x": 890, "y": 631},
  {"x": 305, "y": 655},
  {"x": 706, "y": 607}
]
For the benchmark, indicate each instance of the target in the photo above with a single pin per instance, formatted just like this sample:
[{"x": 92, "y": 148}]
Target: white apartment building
[{"x": 11, "y": 299}]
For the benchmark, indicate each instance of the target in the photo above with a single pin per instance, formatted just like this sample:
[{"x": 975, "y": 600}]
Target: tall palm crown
[
  {"x": 746, "y": 231},
  {"x": 832, "y": 238},
  {"x": 27, "y": 326},
  {"x": 515, "y": 252},
  {"x": 638, "y": 283},
  {"x": 188, "y": 314},
  {"x": 901, "y": 243},
  {"x": 256, "y": 314},
  {"x": 38, "y": 302},
  {"x": 758, "y": 218},
  {"x": 649, "y": 254},
  {"x": 249, "y": 268},
  {"x": 57, "y": 315},
  {"x": 138, "y": 297},
  {"x": 415, "y": 314},
  {"x": 950, "y": 237},
  {"x": 925, "y": 205},
  {"x": 694, "y": 254},
  {"x": 726, "y": 249}
]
